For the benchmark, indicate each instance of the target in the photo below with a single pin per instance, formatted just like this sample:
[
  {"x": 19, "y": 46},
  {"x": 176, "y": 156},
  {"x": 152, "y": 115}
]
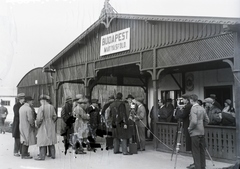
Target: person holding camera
[{"x": 182, "y": 113}]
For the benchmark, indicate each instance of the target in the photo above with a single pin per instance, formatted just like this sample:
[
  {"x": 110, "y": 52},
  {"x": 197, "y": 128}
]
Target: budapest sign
[{"x": 115, "y": 42}]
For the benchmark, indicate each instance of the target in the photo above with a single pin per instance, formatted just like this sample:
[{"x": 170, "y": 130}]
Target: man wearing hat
[
  {"x": 170, "y": 109},
  {"x": 215, "y": 103},
  {"x": 26, "y": 127},
  {"x": 183, "y": 112},
  {"x": 15, "y": 125},
  {"x": 212, "y": 112},
  {"x": 46, "y": 136},
  {"x": 68, "y": 121},
  {"x": 119, "y": 125},
  {"x": 94, "y": 121},
  {"x": 141, "y": 122}
]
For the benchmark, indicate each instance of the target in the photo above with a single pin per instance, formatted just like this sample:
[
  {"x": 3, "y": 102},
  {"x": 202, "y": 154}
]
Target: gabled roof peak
[{"x": 107, "y": 9}]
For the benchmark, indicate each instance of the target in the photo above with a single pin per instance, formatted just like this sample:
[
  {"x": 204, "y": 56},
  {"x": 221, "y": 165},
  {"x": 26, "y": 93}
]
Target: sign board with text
[{"x": 115, "y": 42}]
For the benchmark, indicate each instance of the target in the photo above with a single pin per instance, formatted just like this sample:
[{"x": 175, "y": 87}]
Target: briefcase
[{"x": 133, "y": 148}]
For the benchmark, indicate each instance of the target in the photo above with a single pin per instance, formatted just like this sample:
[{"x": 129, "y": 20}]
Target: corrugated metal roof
[{"x": 187, "y": 19}]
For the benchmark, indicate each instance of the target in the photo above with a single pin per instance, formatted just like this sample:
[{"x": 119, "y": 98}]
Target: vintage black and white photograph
[{"x": 119, "y": 84}]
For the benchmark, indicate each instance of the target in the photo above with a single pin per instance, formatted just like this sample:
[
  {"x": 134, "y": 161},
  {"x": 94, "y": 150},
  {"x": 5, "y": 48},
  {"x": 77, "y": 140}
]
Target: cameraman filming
[{"x": 182, "y": 113}]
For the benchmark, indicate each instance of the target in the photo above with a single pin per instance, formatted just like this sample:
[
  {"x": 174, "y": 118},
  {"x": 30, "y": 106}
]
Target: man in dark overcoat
[
  {"x": 119, "y": 124},
  {"x": 182, "y": 113},
  {"x": 15, "y": 125}
]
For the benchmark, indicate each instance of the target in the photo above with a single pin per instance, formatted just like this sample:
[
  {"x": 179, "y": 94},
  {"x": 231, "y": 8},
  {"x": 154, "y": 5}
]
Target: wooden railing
[{"x": 220, "y": 140}]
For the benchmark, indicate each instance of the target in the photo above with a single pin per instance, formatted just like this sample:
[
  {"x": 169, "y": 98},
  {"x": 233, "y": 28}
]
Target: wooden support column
[
  {"x": 56, "y": 87},
  {"x": 236, "y": 74}
]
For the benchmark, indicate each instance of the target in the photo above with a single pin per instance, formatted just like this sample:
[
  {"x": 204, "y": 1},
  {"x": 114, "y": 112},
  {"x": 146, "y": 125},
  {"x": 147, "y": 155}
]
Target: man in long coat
[
  {"x": 15, "y": 125},
  {"x": 26, "y": 127},
  {"x": 46, "y": 135},
  {"x": 141, "y": 122},
  {"x": 119, "y": 125}
]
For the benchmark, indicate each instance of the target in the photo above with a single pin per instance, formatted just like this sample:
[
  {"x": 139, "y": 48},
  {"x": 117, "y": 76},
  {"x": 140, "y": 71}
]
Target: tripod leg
[
  {"x": 175, "y": 141},
  {"x": 209, "y": 156}
]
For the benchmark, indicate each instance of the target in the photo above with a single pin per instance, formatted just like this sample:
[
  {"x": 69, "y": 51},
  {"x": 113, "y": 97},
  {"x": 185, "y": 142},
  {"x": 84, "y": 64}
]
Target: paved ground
[{"x": 99, "y": 160}]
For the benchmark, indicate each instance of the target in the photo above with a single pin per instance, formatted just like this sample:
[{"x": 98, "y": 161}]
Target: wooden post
[
  {"x": 155, "y": 96},
  {"x": 56, "y": 87},
  {"x": 236, "y": 74}
]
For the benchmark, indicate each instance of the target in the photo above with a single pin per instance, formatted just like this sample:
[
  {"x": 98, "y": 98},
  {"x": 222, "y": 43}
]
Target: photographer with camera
[{"x": 182, "y": 113}]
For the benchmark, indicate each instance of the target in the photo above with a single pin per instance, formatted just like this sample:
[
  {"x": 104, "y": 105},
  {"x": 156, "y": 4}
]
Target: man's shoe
[
  {"x": 26, "y": 157},
  {"x": 16, "y": 155},
  {"x": 127, "y": 153},
  {"x": 118, "y": 152},
  {"x": 190, "y": 165},
  {"x": 39, "y": 159}
]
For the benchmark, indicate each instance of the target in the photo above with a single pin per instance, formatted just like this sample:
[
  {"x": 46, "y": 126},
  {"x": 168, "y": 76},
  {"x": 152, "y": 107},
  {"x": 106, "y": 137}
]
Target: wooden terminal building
[{"x": 166, "y": 56}]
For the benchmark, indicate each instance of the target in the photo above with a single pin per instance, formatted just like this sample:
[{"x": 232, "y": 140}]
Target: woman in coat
[
  {"x": 26, "y": 127},
  {"x": 46, "y": 135},
  {"x": 81, "y": 124}
]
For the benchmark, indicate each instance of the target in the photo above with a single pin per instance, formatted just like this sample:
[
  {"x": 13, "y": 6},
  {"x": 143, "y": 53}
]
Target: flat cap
[
  {"x": 228, "y": 101},
  {"x": 82, "y": 100},
  {"x": 139, "y": 99},
  {"x": 213, "y": 96},
  {"x": 208, "y": 100},
  {"x": 185, "y": 96}
]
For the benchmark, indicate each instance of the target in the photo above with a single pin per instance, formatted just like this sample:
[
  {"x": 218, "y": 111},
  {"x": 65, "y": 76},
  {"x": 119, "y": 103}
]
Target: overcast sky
[{"x": 32, "y": 32}]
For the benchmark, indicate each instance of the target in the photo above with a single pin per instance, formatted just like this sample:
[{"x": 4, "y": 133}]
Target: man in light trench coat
[
  {"x": 46, "y": 136},
  {"x": 26, "y": 127}
]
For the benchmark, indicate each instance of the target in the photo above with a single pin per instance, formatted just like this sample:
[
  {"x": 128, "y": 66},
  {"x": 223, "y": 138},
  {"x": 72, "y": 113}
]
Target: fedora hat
[
  {"x": 78, "y": 96},
  {"x": 21, "y": 95},
  {"x": 68, "y": 99}
]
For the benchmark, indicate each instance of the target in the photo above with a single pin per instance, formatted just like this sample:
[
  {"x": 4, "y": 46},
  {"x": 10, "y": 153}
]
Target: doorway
[{"x": 222, "y": 93}]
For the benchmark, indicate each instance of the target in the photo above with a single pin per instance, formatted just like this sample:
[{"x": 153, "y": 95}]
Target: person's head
[
  {"x": 29, "y": 100},
  {"x": 193, "y": 98},
  {"x": 161, "y": 102},
  {"x": 169, "y": 101},
  {"x": 227, "y": 102},
  {"x": 208, "y": 102},
  {"x": 129, "y": 98},
  {"x": 43, "y": 99},
  {"x": 119, "y": 96},
  {"x": 2, "y": 103},
  {"x": 82, "y": 103},
  {"x": 21, "y": 97},
  {"x": 95, "y": 102},
  {"x": 138, "y": 100},
  {"x": 213, "y": 96},
  {"x": 186, "y": 98}
]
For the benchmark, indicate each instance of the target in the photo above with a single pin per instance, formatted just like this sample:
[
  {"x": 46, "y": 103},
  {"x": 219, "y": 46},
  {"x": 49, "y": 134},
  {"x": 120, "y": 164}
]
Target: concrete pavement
[{"x": 100, "y": 160}]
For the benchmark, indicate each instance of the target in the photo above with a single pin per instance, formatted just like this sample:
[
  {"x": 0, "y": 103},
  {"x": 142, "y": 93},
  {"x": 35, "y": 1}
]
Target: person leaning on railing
[{"x": 228, "y": 114}]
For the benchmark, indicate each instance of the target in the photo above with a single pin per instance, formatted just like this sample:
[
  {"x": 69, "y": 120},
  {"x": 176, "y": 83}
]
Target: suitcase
[
  {"x": 133, "y": 148},
  {"x": 109, "y": 142}
]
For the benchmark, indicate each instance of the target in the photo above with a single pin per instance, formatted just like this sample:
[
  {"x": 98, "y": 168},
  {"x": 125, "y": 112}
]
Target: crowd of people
[
  {"x": 122, "y": 120},
  {"x": 119, "y": 119},
  {"x": 195, "y": 114},
  {"x": 31, "y": 128}
]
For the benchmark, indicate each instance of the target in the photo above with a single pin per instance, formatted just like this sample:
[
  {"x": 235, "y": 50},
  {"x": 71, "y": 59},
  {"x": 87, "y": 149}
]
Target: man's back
[{"x": 198, "y": 118}]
